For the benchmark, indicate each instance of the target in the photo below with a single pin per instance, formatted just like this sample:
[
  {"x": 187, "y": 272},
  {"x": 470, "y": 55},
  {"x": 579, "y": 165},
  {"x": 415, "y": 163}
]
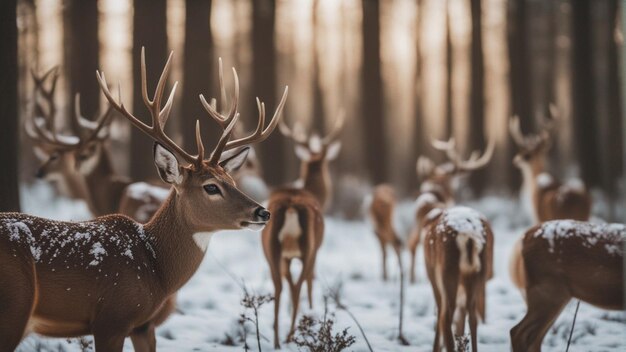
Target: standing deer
[
  {"x": 458, "y": 251},
  {"x": 546, "y": 198},
  {"x": 561, "y": 260},
  {"x": 314, "y": 153},
  {"x": 381, "y": 212},
  {"x": 437, "y": 184},
  {"x": 111, "y": 276},
  {"x": 295, "y": 232}
]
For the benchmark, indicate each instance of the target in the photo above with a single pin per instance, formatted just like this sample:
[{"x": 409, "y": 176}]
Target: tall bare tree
[
  {"x": 149, "y": 30},
  {"x": 477, "y": 91},
  {"x": 318, "y": 96},
  {"x": 449, "y": 74},
  {"x": 9, "y": 136},
  {"x": 372, "y": 93},
  {"x": 81, "y": 52},
  {"x": 418, "y": 132},
  {"x": 197, "y": 69},
  {"x": 264, "y": 83},
  {"x": 584, "y": 104}
]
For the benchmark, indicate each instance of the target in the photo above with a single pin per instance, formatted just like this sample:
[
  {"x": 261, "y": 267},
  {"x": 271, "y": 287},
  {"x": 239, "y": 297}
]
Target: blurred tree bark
[
  {"x": 81, "y": 54},
  {"x": 477, "y": 93},
  {"x": 149, "y": 30},
  {"x": 198, "y": 69},
  {"x": 319, "y": 116},
  {"x": 9, "y": 134},
  {"x": 372, "y": 93},
  {"x": 272, "y": 151},
  {"x": 583, "y": 100},
  {"x": 519, "y": 74},
  {"x": 449, "y": 75},
  {"x": 418, "y": 133}
]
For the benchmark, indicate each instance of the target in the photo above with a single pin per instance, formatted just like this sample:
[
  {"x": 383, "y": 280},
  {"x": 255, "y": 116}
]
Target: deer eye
[
  {"x": 212, "y": 189},
  {"x": 54, "y": 156}
]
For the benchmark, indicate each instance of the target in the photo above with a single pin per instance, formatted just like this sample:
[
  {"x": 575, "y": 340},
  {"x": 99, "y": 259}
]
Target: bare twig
[
  {"x": 334, "y": 293},
  {"x": 569, "y": 340}
]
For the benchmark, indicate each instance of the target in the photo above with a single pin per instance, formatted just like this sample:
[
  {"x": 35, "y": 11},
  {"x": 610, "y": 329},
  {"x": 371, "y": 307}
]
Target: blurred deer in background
[
  {"x": 458, "y": 251},
  {"x": 437, "y": 184},
  {"x": 381, "y": 212},
  {"x": 81, "y": 163},
  {"x": 563, "y": 259},
  {"x": 315, "y": 152},
  {"x": 544, "y": 197},
  {"x": 65, "y": 279},
  {"x": 295, "y": 232}
]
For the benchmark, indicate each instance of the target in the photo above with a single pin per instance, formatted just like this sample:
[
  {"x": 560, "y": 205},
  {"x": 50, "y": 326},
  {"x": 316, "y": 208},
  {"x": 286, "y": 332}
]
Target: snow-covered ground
[{"x": 209, "y": 305}]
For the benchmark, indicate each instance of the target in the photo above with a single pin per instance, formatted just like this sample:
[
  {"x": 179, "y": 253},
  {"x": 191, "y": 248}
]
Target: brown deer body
[
  {"x": 458, "y": 251},
  {"x": 112, "y": 277},
  {"x": 381, "y": 212},
  {"x": 564, "y": 259},
  {"x": 546, "y": 198},
  {"x": 437, "y": 186},
  {"x": 314, "y": 153},
  {"x": 295, "y": 232}
]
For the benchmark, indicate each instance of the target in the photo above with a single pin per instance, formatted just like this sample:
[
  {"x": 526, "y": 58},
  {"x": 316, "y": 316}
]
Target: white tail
[{"x": 470, "y": 246}]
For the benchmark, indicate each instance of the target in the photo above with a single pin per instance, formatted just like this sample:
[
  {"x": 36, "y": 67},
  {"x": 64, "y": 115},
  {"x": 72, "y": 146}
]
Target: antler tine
[
  {"x": 103, "y": 121},
  {"x": 159, "y": 116},
  {"x": 199, "y": 143},
  {"x": 332, "y": 135},
  {"x": 474, "y": 162},
  {"x": 516, "y": 132},
  {"x": 261, "y": 134},
  {"x": 211, "y": 109},
  {"x": 444, "y": 145},
  {"x": 223, "y": 101}
]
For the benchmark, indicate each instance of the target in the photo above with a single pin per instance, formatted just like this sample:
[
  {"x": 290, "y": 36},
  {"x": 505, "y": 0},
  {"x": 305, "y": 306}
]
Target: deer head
[
  {"x": 206, "y": 197},
  {"x": 62, "y": 155},
  {"x": 532, "y": 148},
  {"x": 440, "y": 177}
]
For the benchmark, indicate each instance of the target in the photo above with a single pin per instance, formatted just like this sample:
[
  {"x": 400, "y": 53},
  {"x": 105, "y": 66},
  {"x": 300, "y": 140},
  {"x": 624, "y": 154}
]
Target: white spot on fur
[
  {"x": 289, "y": 234},
  {"x": 202, "y": 239},
  {"x": 544, "y": 180}
]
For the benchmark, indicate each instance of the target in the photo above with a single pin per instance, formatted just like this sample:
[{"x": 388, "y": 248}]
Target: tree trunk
[
  {"x": 81, "y": 50},
  {"x": 272, "y": 151},
  {"x": 418, "y": 133},
  {"x": 477, "y": 91},
  {"x": 9, "y": 134},
  {"x": 519, "y": 75},
  {"x": 149, "y": 30},
  {"x": 583, "y": 93},
  {"x": 449, "y": 129},
  {"x": 318, "y": 96},
  {"x": 198, "y": 72},
  {"x": 372, "y": 94}
]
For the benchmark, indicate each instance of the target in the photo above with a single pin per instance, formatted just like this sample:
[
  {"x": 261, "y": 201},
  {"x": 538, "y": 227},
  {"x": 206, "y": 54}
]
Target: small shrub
[{"x": 315, "y": 335}]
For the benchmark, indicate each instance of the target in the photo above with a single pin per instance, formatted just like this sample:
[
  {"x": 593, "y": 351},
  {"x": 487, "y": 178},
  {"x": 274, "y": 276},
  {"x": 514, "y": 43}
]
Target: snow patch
[{"x": 610, "y": 236}]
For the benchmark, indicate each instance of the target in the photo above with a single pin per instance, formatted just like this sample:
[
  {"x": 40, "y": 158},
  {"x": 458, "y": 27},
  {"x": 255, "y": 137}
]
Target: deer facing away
[{"x": 66, "y": 279}]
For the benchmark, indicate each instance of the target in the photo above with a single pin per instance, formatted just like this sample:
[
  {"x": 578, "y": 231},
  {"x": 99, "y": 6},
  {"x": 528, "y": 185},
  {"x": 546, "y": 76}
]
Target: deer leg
[
  {"x": 384, "y": 257},
  {"x": 143, "y": 338},
  {"x": 413, "y": 258},
  {"x": 109, "y": 341},
  {"x": 309, "y": 284},
  {"x": 275, "y": 268},
  {"x": 450, "y": 287},
  {"x": 295, "y": 301},
  {"x": 545, "y": 302},
  {"x": 17, "y": 297}
]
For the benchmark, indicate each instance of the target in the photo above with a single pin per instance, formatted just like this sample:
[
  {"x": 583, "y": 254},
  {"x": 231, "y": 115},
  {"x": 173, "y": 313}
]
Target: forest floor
[{"x": 210, "y": 304}]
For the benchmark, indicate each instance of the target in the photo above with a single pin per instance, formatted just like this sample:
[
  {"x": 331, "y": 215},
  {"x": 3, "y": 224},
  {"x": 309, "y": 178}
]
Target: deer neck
[
  {"x": 75, "y": 186},
  {"x": 530, "y": 191},
  {"x": 317, "y": 180},
  {"x": 177, "y": 255},
  {"x": 101, "y": 184}
]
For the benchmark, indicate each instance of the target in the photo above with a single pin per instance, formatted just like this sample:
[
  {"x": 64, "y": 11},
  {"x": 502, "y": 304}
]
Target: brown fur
[
  {"x": 572, "y": 268},
  {"x": 381, "y": 213},
  {"x": 442, "y": 256},
  {"x": 311, "y": 223}
]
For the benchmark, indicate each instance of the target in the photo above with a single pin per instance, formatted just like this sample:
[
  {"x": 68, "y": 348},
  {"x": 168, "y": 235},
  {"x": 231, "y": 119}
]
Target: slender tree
[
  {"x": 198, "y": 70},
  {"x": 9, "y": 136},
  {"x": 583, "y": 93},
  {"x": 264, "y": 84},
  {"x": 477, "y": 91},
  {"x": 318, "y": 96},
  {"x": 449, "y": 74},
  {"x": 81, "y": 50},
  {"x": 372, "y": 93},
  {"x": 418, "y": 133},
  {"x": 149, "y": 30}
]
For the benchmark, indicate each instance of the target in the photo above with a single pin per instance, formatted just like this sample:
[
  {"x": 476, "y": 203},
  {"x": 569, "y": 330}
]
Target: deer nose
[
  {"x": 262, "y": 213},
  {"x": 40, "y": 173}
]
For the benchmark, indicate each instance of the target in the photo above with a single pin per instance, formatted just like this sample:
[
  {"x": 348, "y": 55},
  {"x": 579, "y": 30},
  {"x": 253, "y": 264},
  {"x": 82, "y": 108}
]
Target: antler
[
  {"x": 228, "y": 122},
  {"x": 474, "y": 162},
  {"x": 92, "y": 128},
  {"x": 332, "y": 135},
  {"x": 547, "y": 124},
  {"x": 299, "y": 135}
]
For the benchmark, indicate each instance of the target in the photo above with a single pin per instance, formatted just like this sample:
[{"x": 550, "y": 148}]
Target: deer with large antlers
[
  {"x": 546, "y": 198},
  {"x": 315, "y": 152},
  {"x": 561, "y": 260},
  {"x": 111, "y": 276},
  {"x": 437, "y": 184}
]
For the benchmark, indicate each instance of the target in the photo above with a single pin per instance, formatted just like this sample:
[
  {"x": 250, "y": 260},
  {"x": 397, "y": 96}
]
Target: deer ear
[
  {"x": 332, "y": 152},
  {"x": 235, "y": 160},
  {"x": 303, "y": 153},
  {"x": 167, "y": 165}
]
